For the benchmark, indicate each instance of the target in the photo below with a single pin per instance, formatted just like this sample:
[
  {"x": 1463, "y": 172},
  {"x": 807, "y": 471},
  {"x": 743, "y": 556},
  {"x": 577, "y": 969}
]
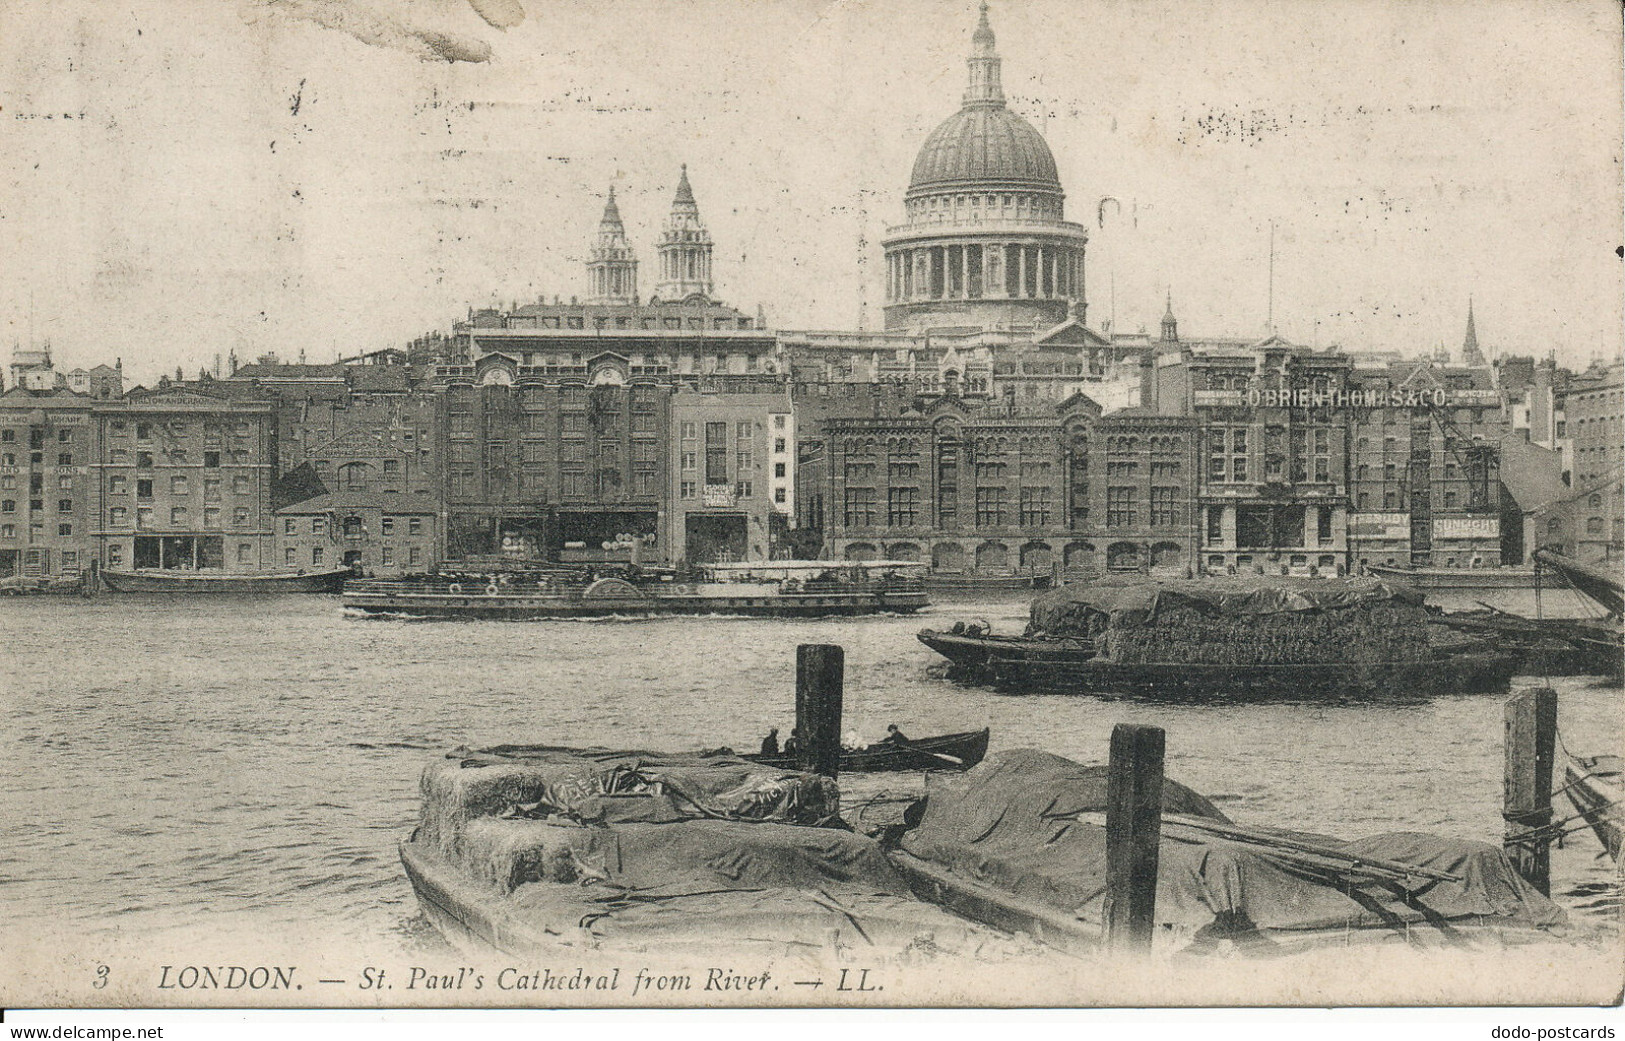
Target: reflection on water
[{"x": 253, "y": 763}]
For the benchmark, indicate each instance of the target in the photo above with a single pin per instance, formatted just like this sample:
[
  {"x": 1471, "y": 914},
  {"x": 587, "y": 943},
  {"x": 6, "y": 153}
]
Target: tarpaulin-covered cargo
[
  {"x": 1031, "y": 825},
  {"x": 1239, "y": 621},
  {"x": 519, "y": 847}
]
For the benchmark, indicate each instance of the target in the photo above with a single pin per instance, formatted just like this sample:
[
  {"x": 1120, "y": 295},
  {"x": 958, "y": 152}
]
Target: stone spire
[
  {"x": 685, "y": 248},
  {"x": 1170, "y": 326},
  {"x": 984, "y": 88},
  {"x": 612, "y": 267},
  {"x": 1469, "y": 346}
]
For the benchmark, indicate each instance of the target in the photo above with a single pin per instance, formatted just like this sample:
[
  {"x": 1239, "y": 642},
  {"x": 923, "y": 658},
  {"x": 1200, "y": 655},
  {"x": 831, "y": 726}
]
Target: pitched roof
[{"x": 389, "y": 502}]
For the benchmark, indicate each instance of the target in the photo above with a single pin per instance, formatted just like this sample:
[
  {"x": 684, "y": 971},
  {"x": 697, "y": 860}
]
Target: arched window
[{"x": 354, "y": 477}]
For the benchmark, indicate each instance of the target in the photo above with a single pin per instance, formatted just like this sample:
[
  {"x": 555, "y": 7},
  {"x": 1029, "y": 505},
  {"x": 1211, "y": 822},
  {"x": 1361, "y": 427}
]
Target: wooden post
[
  {"x": 1133, "y": 831},
  {"x": 1531, "y": 740},
  {"x": 820, "y": 671}
]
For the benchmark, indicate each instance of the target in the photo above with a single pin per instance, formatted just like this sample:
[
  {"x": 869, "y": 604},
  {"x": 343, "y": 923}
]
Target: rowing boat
[{"x": 943, "y": 752}]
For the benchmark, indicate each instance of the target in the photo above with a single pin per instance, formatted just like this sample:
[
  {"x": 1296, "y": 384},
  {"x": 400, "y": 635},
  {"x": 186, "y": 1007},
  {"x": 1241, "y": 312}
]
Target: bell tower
[
  {"x": 612, "y": 271},
  {"x": 685, "y": 248}
]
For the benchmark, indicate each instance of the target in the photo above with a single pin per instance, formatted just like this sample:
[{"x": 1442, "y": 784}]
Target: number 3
[{"x": 101, "y": 977}]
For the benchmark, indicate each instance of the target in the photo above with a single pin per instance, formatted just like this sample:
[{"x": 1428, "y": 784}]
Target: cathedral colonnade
[{"x": 979, "y": 269}]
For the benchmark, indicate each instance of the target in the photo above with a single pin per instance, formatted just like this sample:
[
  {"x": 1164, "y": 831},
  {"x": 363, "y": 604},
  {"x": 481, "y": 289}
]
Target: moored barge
[
  {"x": 777, "y": 589},
  {"x": 1227, "y": 638},
  {"x": 209, "y": 581}
]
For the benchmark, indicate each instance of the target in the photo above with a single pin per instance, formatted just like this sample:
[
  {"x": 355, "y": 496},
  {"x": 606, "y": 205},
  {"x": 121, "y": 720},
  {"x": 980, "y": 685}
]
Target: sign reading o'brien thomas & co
[{"x": 1381, "y": 397}]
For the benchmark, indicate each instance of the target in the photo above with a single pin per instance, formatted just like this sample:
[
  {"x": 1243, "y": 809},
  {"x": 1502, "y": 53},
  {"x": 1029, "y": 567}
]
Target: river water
[{"x": 248, "y": 765}]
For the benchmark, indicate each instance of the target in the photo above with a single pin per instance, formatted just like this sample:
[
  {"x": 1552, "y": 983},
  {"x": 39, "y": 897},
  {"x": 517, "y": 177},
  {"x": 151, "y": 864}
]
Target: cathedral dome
[{"x": 983, "y": 146}]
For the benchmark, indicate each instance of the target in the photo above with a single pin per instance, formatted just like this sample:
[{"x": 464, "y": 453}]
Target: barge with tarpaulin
[
  {"x": 773, "y": 589},
  {"x": 534, "y": 849},
  {"x": 1228, "y": 637}
]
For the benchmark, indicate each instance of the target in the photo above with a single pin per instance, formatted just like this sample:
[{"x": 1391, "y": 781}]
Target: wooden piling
[
  {"x": 820, "y": 672},
  {"x": 1531, "y": 740},
  {"x": 1133, "y": 832}
]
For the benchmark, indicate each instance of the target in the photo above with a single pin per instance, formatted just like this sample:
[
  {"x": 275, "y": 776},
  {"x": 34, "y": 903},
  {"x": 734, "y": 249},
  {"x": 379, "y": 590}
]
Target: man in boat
[
  {"x": 894, "y": 736},
  {"x": 770, "y": 743}
]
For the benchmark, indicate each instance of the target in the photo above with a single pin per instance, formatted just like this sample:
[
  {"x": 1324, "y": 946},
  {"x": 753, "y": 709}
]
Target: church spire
[
  {"x": 612, "y": 267},
  {"x": 984, "y": 87},
  {"x": 685, "y": 248},
  {"x": 1170, "y": 326},
  {"x": 1469, "y": 345}
]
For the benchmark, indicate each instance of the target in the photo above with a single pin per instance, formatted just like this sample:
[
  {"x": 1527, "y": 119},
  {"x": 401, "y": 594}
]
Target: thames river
[{"x": 240, "y": 765}]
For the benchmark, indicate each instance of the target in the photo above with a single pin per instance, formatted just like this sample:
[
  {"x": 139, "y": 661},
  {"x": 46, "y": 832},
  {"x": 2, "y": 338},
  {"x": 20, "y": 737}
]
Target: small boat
[
  {"x": 944, "y": 752},
  {"x": 1596, "y": 787},
  {"x": 774, "y": 589},
  {"x": 1544, "y": 646},
  {"x": 206, "y": 581},
  {"x": 1433, "y": 579},
  {"x": 1227, "y": 638}
]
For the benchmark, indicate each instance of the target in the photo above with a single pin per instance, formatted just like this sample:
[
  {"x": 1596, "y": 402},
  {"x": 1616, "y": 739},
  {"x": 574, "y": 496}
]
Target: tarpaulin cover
[
  {"x": 1013, "y": 824},
  {"x": 1086, "y": 608},
  {"x": 600, "y": 841}
]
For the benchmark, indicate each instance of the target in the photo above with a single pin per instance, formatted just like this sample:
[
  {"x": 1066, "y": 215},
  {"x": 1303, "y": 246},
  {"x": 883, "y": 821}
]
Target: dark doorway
[
  {"x": 715, "y": 538},
  {"x": 8, "y": 563}
]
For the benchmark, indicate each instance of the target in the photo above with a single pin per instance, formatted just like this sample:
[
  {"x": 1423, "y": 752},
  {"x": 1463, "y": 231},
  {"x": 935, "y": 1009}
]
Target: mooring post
[
  {"x": 1531, "y": 744},
  {"x": 820, "y": 672},
  {"x": 1133, "y": 832}
]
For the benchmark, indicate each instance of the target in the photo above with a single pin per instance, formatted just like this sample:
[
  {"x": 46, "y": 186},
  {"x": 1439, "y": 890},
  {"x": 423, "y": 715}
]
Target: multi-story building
[
  {"x": 1273, "y": 418},
  {"x": 1001, "y": 488},
  {"x": 48, "y": 491},
  {"x": 377, "y": 533},
  {"x": 184, "y": 481},
  {"x": 1595, "y": 411},
  {"x": 1424, "y": 465},
  {"x": 565, "y": 427},
  {"x": 734, "y": 475}
]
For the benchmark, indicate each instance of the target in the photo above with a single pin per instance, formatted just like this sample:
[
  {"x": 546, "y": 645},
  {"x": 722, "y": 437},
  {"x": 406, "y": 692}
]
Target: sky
[{"x": 184, "y": 178}]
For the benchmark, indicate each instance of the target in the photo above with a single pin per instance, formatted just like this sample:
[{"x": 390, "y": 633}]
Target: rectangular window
[
  {"x": 211, "y": 489},
  {"x": 118, "y": 516},
  {"x": 779, "y": 495},
  {"x": 239, "y": 516},
  {"x": 8, "y": 505},
  {"x": 689, "y": 490},
  {"x": 315, "y": 554},
  {"x": 290, "y": 556},
  {"x": 691, "y": 461},
  {"x": 1164, "y": 507},
  {"x": 742, "y": 489},
  {"x": 290, "y": 526},
  {"x": 64, "y": 506},
  {"x": 414, "y": 526},
  {"x": 414, "y": 556},
  {"x": 1215, "y": 525},
  {"x": 143, "y": 460},
  {"x": 178, "y": 517},
  {"x": 211, "y": 517},
  {"x": 1035, "y": 507},
  {"x": 778, "y": 470},
  {"x": 177, "y": 485},
  {"x": 1323, "y": 526},
  {"x": 716, "y": 453},
  {"x": 990, "y": 505},
  {"x": 64, "y": 459},
  {"x": 780, "y": 446},
  {"x": 387, "y": 555},
  {"x": 860, "y": 507},
  {"x": 64, "y": 436},
  {"x": 211, "y": 459},
  {"x": 115, "y": 555},
  {"x": 689, "y": 430},
  {"x": 64, "y": 529},
  {"x": 387, "y": 526},
  {"x": 143, "y": 517},
  {"x": 318, "y": 525},
  {"x": 902, "y": 506},
  {"x": 743, "y": 461},
  {"x": 8, "y": 483},
  {"x": 778, "y": 421},
  {"x": 1120, "y": 511}
]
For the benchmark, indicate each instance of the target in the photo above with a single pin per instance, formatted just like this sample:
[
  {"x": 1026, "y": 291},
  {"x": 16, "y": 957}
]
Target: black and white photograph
[{"x": 547, "y": 504}]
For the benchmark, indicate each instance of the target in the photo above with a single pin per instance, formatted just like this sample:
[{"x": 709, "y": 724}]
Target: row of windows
[
  {"x": 387, "y": 525},
  {"x": 179, "y": 484},
  {"x": 145, "y": 460},
  {"x": 35, "y": 530},
  {"x": 386, "y": 556},
  {"x": 179, "y": 517}
]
